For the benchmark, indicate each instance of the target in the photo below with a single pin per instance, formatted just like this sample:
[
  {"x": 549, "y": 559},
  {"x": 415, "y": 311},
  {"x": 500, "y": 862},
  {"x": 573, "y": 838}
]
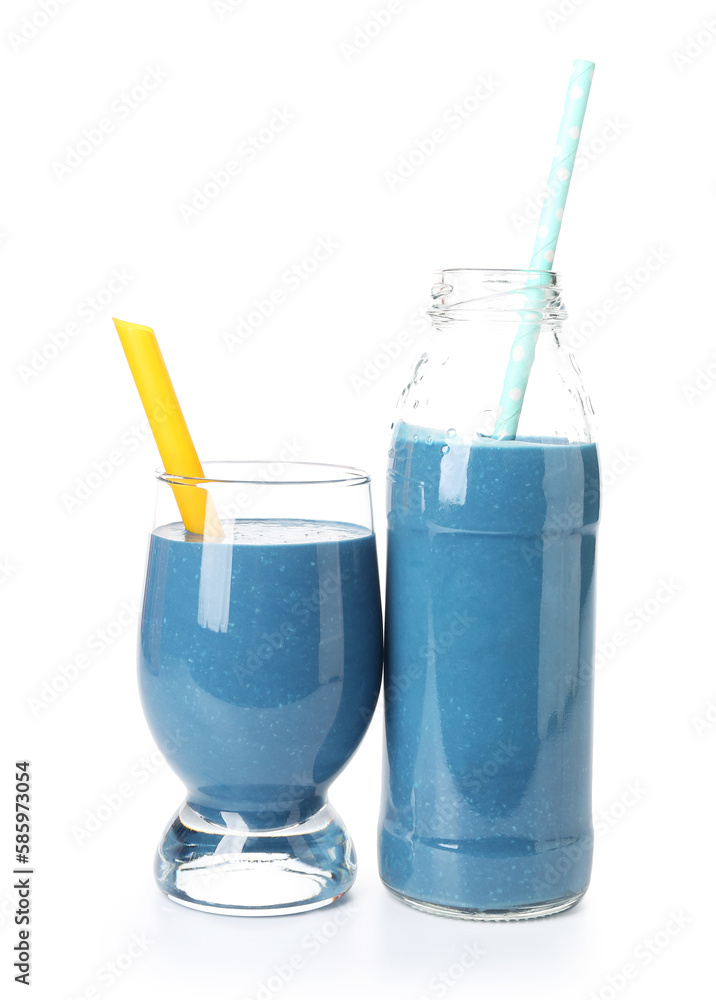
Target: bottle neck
[
  {"x": 496, "y": 299},
  {"x": 488, "y": 321}
]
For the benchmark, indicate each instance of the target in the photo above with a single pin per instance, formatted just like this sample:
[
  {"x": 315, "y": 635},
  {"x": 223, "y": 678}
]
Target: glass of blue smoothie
[
  {"x": 260, "y": 657},
  {"x": 490, "y": 614}
]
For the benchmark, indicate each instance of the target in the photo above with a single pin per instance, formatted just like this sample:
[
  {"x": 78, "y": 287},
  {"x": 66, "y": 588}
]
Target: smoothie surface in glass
[{"x": 489, "y": 637}]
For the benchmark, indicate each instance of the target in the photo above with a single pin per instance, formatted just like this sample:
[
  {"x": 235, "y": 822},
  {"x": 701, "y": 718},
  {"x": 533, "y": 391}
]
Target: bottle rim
[{"x": 498, "y": 295}]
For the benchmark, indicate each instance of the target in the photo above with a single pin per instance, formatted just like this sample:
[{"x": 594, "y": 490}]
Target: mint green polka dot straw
[{"x": 523, "y": 348}]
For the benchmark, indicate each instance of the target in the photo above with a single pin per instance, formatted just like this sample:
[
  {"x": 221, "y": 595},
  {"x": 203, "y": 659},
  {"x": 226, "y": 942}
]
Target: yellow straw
[{"x": 168, "y": 426}]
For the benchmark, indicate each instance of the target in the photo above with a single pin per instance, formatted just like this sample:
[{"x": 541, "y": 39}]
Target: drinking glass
[{"x": 260, "y": 657}]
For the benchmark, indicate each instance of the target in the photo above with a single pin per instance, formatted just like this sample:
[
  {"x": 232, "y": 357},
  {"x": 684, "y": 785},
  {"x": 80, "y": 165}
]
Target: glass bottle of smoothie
[{"x": 490, "y": 614}]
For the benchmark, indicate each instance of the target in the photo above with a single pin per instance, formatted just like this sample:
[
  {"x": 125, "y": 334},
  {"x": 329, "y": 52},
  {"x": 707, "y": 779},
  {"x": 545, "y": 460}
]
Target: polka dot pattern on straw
[
  {"x": 550, "y": 223},
  {"x": 560, "y": 173}
]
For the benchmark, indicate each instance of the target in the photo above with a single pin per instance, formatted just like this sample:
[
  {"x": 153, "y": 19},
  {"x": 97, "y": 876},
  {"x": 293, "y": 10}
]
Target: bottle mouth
[
  {"x": 498, "y": 271},
  {"x": 498, "y": 295}
]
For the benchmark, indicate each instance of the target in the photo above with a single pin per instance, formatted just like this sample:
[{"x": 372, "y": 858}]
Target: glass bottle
[{"x": 490, "y": 613}]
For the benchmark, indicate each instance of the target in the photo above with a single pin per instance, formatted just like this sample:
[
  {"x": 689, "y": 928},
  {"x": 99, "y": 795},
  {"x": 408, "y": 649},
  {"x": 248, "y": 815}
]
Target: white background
[{"x": 647, "y": 182}]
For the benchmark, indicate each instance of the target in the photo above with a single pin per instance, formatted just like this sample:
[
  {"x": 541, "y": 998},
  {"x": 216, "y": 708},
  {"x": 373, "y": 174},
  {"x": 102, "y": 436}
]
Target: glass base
[
  {"x": 234, "y": 870},
  {"x": 516, "y": 913}
]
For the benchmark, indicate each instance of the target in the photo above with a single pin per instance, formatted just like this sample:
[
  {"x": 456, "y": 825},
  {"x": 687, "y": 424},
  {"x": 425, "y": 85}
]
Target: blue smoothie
[
  {"x": 260, "y": 660},
  {"x": 489, "y": 644}
]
